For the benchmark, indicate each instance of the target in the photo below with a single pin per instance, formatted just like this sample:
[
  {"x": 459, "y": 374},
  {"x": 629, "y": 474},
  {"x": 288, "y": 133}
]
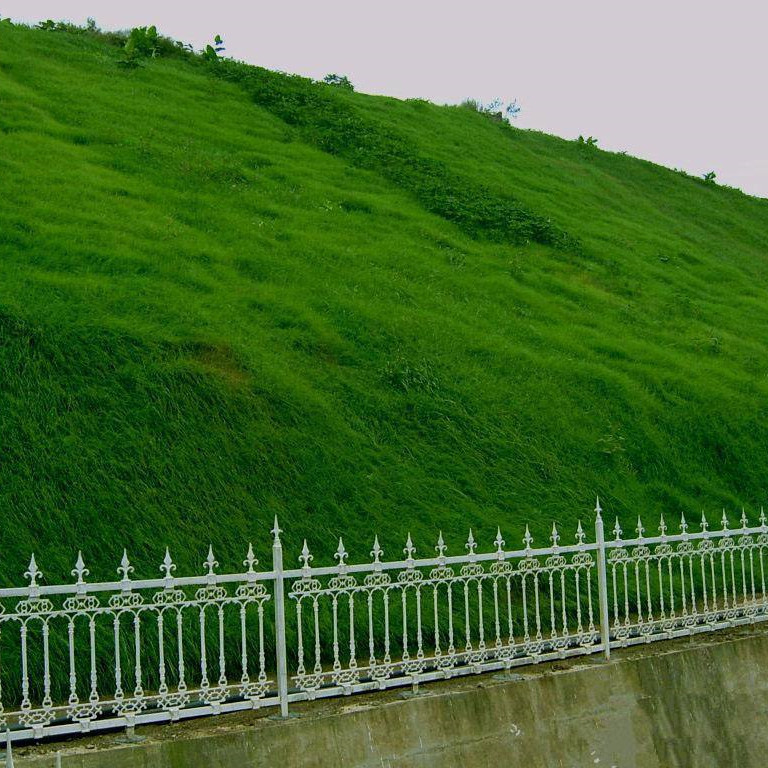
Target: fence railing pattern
[{"x": 86, "y": 656}]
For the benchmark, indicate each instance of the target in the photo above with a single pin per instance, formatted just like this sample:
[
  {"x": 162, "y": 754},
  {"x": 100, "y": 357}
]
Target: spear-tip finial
[
  {"x": 441, "y": 546},
  {"x": 683, "y": 524},
  {"x": 724, "y": 520},
  {"x": 168, "y": 566},
  {"x": 33, "y": 573},
  {"x": 250, "y": 559},
  {"x": 276, "y": 531},
  {"x": 640, "y": 530},
  {"x": 704, "y": 522},
  {"x": 125, "y": 568},
  {"x": 80, "y": 571},
  {"x": 211, "y": 562},
  {"x": 305, "y": 558},
  {"x": 580, "y": 534},
  {"x": 409, "y": 549},
  {"x": 341, "y": 553},
  {"x": 554, "y": 536},
  {"x": 617, "y": 531},
  {"x": 471, "y": 544},
  {"x": 527, "y": 539},
  {"x": 499, "y": 542},
  {"x": 377, "y": 551}
]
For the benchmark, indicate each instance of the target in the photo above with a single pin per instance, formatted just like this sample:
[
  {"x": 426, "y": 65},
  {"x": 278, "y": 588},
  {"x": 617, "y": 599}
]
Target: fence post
[
  {"x": 282, "y": 662},
  {"x": 602, "y": 582},
  {"x": 8, "y": 750}
]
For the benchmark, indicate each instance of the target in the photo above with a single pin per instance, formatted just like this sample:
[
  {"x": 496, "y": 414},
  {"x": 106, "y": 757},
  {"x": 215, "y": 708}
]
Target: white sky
[{"x": 680, "y": 82}]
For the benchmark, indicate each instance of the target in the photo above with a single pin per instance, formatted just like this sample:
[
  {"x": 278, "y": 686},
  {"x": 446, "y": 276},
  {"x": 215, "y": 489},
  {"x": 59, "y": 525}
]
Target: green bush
[
  {"x": 497, "y": 109},
  {"x": 213, "y": 52},
  {"x": 339, "y": 81},
  {"x": 141, "y": 44}
]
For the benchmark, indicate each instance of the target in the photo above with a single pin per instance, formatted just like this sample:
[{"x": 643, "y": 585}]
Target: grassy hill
[{"x": 227, "y": 293}]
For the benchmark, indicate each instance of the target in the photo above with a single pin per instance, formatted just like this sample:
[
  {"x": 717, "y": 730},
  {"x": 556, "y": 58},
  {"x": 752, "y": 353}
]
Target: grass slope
[{"x": 229, "y": 295}]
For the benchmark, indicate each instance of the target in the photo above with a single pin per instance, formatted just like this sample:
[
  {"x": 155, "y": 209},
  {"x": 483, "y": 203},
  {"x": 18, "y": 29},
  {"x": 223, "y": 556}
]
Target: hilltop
[{"x": 228, "y": 293}]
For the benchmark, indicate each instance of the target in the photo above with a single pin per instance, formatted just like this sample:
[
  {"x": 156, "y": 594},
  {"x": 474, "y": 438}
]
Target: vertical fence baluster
[
  {"x": 387, "y": 654},
  {"x": 496, "y": 617},
  {"x": 602, "y": 585},
  {"x": 73, "y": 699},
  {"x": 352, "y": 650},
  {"x": 244, "y": 676},
  {"x": 436, "y": 617},
  {"x": 262, "y": 655},
  {"x": 161, "y": 652},
  {"x": 182, "y": 686},
  {"x": 280, "y": 644},
  {"x": 371, "y": 648}
]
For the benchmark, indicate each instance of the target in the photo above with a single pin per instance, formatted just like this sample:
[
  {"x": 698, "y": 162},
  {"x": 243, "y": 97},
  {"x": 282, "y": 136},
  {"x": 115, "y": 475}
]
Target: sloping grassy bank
[{"x": 227, "y": 294}]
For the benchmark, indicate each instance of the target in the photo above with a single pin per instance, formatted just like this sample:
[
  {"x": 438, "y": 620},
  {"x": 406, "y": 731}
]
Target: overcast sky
[{"x": 680, "y": 82}]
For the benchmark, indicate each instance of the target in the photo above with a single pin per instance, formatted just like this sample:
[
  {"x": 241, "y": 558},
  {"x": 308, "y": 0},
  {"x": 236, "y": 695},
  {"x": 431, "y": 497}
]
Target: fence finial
[
  {"x": 598, "y": 508},
  {"x": 305, "y": 558},
  {"x": 409, "y": 548},
  {"x": 441, "y": 547},
  {"x": 580, "y": 535},
  {"x": 744, "y": 522},
  {"x": 341, "y": 554},
  {"x": 168, "y": 566},
  {"x": 471, "y": 544},
  {"x": 276, "y": 531},
  {"x": 683, "y": 524},
  {"x": 555, "y": 537},
  {"x": 762, "y": 517},
  {"x": 724, "y": 520},
  {"x": 377, "y": 551},
  {"x": 210, "y": 562},
  {"x": 527, "y": 539},
  {"x": 704, "y": 523},
  {"x": 125, "y": 567},
  {"x": 499, "y": 542},
  {"x": 640, "y": 530},
  {"x": 662, "y": 526},
  {"x": 80, "y": 571},
  {"x": 250, "y": 559},
  {"x": 33, "y": 573},
  {"x": 617, "y": 531}
]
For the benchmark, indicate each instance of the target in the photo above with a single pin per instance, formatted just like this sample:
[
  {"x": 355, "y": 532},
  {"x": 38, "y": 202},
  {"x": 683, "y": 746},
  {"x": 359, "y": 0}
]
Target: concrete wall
[{"x": 699, "y": 702}]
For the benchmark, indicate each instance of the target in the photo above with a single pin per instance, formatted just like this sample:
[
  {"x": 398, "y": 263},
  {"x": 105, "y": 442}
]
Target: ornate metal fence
[{"x": 87, "y": 656}]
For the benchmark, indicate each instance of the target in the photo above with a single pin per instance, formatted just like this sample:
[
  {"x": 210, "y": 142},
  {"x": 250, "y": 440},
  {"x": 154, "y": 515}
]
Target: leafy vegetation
[
  {"x": 496, "y": 109},
  {"x": 228, "y": 293},
  {"x": 340, "y": 81},
  {"x": 213, "y": 52}
]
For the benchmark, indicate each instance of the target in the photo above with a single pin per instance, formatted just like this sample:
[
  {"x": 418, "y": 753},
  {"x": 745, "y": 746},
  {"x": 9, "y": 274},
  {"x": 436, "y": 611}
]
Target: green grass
[{"x": 230, "y": 294}]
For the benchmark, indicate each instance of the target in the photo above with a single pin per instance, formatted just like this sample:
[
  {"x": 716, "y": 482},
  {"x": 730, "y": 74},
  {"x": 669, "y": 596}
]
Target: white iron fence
[{"x": 86, "y": 656}]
